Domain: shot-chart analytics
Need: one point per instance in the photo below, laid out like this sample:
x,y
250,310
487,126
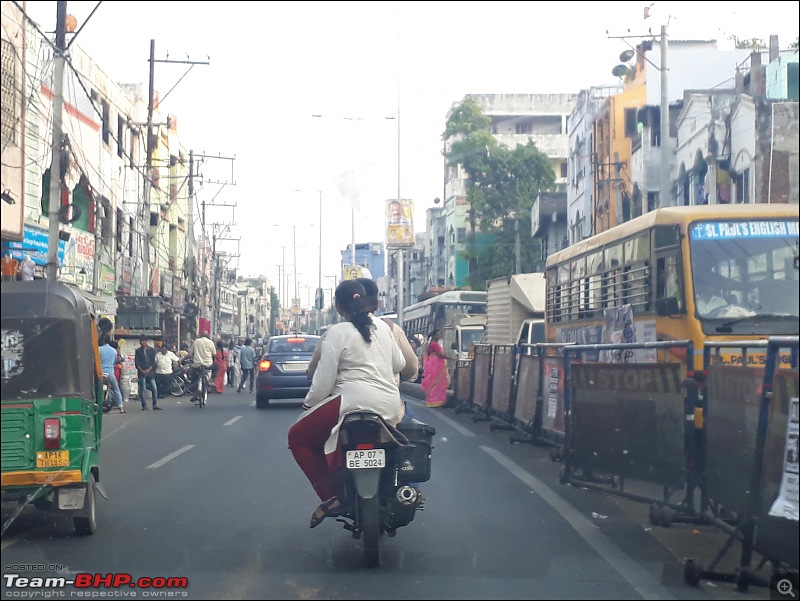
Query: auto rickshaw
x,y
51,400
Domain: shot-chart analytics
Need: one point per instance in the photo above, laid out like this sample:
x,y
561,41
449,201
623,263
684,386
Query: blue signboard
x,y
34,243
727,230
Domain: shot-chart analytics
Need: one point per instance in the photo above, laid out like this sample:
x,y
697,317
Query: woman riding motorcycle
x,y
358,360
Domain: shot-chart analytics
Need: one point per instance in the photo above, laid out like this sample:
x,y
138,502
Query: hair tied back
x,y
356,296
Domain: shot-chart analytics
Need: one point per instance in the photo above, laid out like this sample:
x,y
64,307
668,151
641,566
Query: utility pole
x,y
665,198
400,251
190,230
148,166
55,167
207,289
517,249
147,272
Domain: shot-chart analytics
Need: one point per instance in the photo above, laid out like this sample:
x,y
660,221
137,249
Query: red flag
x,y
647,10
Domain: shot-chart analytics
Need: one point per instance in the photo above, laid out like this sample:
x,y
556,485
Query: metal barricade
x,y
503,363
751,457
553,429
630,420
526,416
481,377
463,382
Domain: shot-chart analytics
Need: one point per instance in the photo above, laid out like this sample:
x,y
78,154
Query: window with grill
x,y
10,106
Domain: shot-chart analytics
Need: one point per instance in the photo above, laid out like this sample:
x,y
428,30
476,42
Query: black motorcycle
x,y
181,382
108,400
382,465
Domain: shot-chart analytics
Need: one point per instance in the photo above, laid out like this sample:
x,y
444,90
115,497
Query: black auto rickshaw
x,y
51,399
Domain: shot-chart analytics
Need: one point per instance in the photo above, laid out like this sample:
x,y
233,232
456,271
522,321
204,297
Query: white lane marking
x,y
169,457
632,572
232,420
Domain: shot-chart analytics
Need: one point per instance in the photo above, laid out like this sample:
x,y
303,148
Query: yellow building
x,y
614,127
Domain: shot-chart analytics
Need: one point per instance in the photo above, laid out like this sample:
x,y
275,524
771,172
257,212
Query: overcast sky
x,y
275,64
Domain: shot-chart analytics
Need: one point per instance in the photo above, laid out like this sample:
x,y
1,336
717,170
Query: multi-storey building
x,y
104,185
515,119
580,189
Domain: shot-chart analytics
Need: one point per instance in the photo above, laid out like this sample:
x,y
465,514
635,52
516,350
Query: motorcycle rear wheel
x,y
369,521
177,386
202,393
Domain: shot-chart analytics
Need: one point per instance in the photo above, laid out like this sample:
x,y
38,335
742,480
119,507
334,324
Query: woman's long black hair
x,y
351,297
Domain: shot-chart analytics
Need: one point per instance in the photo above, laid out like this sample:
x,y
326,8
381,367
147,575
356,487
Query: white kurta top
x,y
363,374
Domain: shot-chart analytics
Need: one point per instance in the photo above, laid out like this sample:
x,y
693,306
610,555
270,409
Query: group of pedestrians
x,y
236,362
155,367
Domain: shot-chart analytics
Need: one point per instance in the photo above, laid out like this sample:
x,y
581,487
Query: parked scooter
x,y
382,466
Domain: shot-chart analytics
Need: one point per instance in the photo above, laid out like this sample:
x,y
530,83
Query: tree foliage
x,y
501,185
747,43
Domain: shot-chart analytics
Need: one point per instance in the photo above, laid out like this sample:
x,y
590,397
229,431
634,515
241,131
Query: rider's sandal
x,y
330,509
121,410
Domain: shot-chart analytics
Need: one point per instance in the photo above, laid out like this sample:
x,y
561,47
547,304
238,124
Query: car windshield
x,y
299,344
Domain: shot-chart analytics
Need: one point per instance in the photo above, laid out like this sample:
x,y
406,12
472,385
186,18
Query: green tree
x,y
501,185
745,43
274,309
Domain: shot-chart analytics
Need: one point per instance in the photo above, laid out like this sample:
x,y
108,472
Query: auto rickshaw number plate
x,y
365,459
52,459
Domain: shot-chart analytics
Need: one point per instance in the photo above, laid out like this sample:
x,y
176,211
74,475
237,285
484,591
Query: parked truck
x,y
458,336
515,309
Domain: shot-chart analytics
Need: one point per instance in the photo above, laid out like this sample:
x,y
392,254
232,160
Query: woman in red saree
x,y
435,376
221,364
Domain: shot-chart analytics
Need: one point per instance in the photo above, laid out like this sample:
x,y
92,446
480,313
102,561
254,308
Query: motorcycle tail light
x,y
52,433
362,447
264,365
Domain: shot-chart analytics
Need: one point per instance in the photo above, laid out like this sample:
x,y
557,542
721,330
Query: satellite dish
x,y
626,55
619,71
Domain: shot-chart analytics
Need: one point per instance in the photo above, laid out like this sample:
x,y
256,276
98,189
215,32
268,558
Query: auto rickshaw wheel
x,y
87,524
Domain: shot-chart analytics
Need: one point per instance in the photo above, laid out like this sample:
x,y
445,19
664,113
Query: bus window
x,y
668,280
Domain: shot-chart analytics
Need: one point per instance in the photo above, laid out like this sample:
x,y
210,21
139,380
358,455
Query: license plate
x,y
295,366
366,459
52,459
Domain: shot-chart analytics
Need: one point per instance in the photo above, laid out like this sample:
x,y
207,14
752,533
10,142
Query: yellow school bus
x,y
699,273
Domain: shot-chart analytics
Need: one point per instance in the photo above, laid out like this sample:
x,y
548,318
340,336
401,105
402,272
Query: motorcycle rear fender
x,y
360,424
366,482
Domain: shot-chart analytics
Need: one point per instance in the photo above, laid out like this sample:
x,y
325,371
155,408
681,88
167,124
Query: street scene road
x,y
212,498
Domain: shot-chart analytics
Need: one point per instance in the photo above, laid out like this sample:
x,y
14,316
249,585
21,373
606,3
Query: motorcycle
x,y
108,401
382,465
181,382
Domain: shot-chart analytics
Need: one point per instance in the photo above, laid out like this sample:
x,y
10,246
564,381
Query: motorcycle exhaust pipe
x,y
407,495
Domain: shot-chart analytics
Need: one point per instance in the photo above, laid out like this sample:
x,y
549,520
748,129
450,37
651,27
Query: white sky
x,y
275,64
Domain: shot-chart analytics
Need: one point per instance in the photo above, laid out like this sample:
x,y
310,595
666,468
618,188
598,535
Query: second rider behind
x,y
358,360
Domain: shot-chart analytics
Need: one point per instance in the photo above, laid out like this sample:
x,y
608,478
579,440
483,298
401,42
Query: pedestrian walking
x,y
247,359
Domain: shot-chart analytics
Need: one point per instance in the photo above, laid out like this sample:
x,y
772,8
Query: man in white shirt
x,y
166,360
203,351
708,300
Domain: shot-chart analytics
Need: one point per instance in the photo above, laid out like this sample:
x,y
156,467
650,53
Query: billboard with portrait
x,y
399,223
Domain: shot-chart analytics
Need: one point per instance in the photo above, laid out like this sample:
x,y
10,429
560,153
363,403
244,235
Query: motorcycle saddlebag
x,y
414,459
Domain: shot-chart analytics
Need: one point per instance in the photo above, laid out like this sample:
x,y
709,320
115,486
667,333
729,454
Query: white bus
x,y
421,318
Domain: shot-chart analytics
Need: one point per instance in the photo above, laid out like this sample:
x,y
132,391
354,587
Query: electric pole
x,y
150,145
55,167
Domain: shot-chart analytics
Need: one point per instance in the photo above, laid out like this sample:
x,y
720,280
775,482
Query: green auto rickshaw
x,y
51,400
